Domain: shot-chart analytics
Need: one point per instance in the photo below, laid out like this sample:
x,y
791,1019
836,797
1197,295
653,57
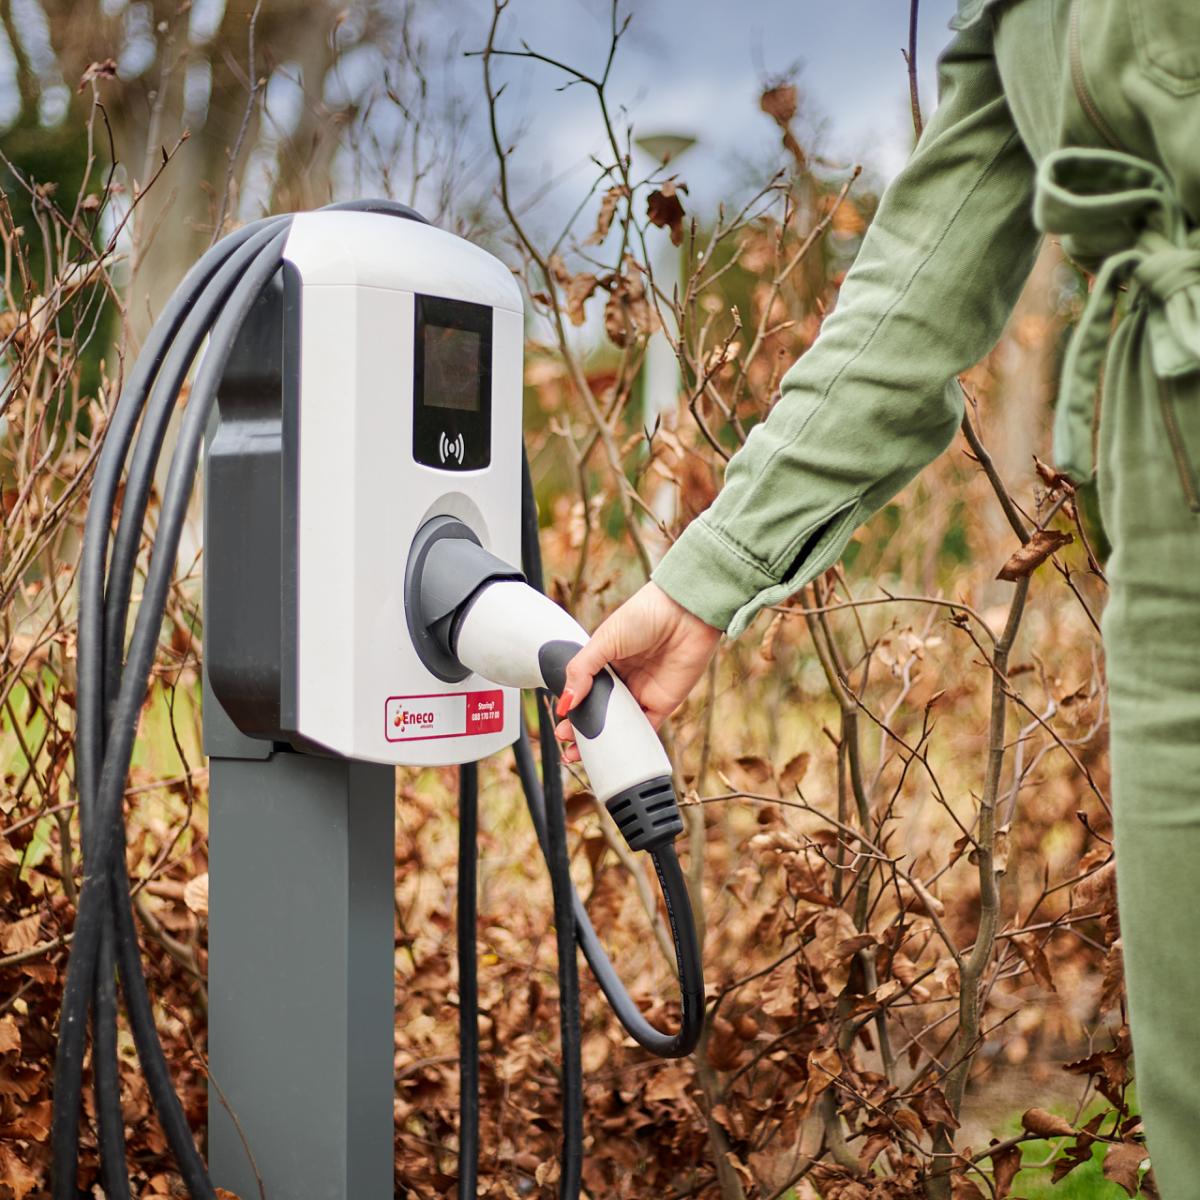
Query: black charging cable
x,y
556,853
468,981
107,745
558,861
544,797
105,933
212,301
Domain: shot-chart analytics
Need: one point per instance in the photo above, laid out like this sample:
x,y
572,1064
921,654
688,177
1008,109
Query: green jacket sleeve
x,y
874,400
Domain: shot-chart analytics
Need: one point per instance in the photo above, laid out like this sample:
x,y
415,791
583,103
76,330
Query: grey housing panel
x,y
246,637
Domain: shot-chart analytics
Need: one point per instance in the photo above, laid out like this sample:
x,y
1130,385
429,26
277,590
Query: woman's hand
x,y
656,646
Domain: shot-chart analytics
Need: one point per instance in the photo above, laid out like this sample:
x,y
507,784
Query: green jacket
x,y
1074,117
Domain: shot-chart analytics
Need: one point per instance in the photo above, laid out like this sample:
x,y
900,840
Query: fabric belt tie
x,y
1119,216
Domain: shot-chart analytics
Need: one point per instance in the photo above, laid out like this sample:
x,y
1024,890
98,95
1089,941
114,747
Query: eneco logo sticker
x,y
406,719
417,718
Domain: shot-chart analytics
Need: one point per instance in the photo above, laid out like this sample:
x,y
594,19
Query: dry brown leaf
x,y
604,219
10,1035
105,68
746,1027
780,103
794,771
665,210
22,1082
32,1123
15,1173
721,1114
1033,553
558,269
1097,892
962,1188
779,998
1005,1166
579,292
1110,1067
824,1066
195,894
1114,976
1050,477
875,1144
628,312
616,323
848,220
847,948
832,930
931,1106
1000,851
724,1045
1122,1165
1072,1157
766,648
595,1051
754,768
1046,1124
1034,957
21,935
886,991
670,1083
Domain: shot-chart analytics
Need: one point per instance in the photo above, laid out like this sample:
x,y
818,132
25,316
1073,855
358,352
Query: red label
x,y
485,712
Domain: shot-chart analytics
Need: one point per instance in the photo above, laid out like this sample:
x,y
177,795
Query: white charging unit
x,y
400,399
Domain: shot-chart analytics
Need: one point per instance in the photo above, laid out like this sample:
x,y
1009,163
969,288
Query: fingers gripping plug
x,y
646,813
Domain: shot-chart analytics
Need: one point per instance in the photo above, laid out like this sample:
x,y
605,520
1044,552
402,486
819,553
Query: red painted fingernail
x,y
566,702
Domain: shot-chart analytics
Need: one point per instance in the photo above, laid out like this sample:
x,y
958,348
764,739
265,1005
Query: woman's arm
x,y
875,399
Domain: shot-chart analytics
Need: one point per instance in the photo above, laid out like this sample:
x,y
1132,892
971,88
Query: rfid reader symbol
x,y
453,448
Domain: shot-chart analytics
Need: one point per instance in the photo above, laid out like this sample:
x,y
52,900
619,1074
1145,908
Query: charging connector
x,y
472,613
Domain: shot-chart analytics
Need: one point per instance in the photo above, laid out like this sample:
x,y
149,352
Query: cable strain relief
x,y
647,813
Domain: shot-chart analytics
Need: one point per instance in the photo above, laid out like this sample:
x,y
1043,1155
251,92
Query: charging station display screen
x,y
452,368
452,384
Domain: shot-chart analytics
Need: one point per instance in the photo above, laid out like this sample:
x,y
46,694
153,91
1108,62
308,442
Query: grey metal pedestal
x,y
300,976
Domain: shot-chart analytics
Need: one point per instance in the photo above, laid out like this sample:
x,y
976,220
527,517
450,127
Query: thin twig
x,y
910,59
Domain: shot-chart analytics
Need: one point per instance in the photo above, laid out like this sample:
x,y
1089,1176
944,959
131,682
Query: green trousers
x,y
1152,642
1078,119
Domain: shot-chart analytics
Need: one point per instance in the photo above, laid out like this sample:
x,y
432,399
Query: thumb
x,y
585,666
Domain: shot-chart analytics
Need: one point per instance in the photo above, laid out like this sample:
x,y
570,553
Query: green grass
x,y
155,755
1085,1182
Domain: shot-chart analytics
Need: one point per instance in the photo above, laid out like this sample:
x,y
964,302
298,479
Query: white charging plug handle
x,y
505,635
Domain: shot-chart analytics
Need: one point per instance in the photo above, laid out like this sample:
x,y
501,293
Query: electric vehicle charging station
x,y
369,530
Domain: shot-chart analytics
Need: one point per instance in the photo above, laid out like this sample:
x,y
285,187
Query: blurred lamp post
x,y
663,147
661,379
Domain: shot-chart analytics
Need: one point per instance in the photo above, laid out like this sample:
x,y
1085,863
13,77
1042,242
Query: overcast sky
x,y
697,66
